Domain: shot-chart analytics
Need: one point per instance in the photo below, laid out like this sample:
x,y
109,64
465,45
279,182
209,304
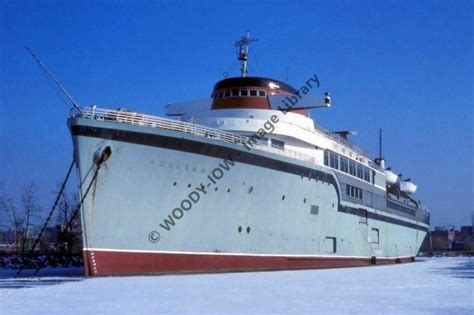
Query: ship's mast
x,y
53,78
380,160
380,143
243,52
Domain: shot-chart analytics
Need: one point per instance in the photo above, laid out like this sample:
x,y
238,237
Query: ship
x,y
242,181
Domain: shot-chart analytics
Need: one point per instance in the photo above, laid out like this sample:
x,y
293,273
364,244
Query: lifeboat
x,y
407,186
390,177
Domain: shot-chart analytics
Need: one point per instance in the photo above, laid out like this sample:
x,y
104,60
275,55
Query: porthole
x,y
250,189
215,189
189,185
228,190
283,197
174,184
239,229
304,200
248,229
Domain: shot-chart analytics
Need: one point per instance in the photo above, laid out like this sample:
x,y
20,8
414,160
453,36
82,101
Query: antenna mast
x,y
243,52
51,76
380,143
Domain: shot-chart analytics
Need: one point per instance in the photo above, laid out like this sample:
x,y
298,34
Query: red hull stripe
x,y
106,263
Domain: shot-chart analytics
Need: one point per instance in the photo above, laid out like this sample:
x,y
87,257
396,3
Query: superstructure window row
x,y
354,192
401,208
235,93
348,166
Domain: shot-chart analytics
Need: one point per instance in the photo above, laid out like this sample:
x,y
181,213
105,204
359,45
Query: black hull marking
x,y
375,216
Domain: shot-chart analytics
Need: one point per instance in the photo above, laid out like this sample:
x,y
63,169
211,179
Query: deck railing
x,y
128,117
343,141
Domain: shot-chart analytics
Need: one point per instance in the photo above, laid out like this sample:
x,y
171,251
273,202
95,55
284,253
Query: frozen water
x,y
431,285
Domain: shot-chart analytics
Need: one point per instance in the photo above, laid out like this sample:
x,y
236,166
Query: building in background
x,y
447,238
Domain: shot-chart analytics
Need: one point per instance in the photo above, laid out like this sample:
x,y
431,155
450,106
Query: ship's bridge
x,y
250,93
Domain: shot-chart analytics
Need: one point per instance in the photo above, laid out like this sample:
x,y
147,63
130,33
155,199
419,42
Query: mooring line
x,y
28,260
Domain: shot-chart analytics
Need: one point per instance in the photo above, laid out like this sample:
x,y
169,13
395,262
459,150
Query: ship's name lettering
x,y
197,194
185,167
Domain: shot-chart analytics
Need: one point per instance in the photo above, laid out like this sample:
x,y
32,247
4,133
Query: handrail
x,y
349,144
318,129
134,118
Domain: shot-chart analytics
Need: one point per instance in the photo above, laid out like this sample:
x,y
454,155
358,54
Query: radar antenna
x,y
243,52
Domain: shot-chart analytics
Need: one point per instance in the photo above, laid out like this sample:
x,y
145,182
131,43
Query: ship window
x,y
326,158
278,144
314,209
244,93
253,93
235,92
333,160
221,94
367,174
227,94
354,192
352,168
360,172
262,93
344,165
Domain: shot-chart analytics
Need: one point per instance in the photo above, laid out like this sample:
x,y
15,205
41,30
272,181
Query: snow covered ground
x,y
431,285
